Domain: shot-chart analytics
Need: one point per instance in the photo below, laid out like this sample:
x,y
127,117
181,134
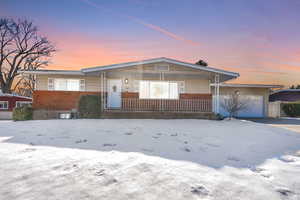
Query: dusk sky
x,y
260,39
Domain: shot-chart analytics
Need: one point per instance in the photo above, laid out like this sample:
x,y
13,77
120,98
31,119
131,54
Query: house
x,y
279,97
9,101
286,95
155,86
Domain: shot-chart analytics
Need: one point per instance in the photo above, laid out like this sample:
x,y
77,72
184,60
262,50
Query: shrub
x,y
89,106
292,109
219,117
22,113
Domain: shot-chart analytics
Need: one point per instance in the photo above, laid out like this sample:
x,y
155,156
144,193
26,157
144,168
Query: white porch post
x,y
104,91
101,90
216,99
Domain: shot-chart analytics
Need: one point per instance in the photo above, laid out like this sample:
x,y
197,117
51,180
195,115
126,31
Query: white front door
x,y
114,93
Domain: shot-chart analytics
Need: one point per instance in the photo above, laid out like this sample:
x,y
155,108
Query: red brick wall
x,y
195,96
57,100
67,100
130,95
12,101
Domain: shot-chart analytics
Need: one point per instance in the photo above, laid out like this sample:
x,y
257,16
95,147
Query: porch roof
x,y
156,60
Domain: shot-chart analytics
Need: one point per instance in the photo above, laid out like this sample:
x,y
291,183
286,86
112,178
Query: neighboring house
x,y
159,85
287,95
9,101
279,97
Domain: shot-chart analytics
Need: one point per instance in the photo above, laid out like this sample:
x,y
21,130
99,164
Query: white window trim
x,y
24,102
7,103
178,90
81,86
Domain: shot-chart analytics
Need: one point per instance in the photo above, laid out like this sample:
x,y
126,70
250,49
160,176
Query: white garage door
x,y
255,106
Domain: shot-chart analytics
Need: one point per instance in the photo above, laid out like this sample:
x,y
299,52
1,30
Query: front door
x,y
114,94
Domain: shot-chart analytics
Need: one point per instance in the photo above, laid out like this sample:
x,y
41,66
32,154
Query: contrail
x,y
151,26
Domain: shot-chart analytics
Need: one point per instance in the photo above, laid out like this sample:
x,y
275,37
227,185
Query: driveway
x,y
292,124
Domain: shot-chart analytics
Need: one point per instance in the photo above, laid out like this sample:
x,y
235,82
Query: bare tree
x,y
19,43
25,83
233,103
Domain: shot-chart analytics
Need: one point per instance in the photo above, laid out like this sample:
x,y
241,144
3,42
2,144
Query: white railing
x,y
167,105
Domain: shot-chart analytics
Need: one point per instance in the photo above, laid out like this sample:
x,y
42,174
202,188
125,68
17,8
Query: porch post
x,y
216,100
104,91
101,90
217,94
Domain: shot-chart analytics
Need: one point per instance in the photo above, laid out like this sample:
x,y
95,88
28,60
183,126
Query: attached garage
x,y
256,98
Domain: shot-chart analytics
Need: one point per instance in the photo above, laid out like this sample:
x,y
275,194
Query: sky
x,y
260,39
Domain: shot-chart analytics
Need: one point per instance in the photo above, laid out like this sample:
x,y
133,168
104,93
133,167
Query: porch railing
x,y
167,105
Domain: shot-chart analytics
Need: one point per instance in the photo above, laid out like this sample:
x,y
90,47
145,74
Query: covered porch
x,y
159,87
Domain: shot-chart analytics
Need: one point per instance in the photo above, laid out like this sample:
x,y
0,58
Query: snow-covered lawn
x,y
148,159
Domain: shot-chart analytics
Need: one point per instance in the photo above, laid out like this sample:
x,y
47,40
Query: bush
x,y
23,113
89,106
220,117
292,109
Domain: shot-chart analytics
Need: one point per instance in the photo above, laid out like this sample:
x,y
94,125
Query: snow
x,y
148,159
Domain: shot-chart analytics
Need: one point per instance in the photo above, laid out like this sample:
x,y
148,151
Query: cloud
x,y
148,25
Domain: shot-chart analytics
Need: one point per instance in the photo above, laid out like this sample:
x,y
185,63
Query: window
x,y
158,90
3,105
22,103
66,84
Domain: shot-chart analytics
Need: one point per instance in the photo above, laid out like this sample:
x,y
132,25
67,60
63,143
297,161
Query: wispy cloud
x,y
146,24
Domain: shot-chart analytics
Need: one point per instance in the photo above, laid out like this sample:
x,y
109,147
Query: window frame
x,y
149,86
52,84
7,103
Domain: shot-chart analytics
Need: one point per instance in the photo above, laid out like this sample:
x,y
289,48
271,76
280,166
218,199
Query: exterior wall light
x,y
126,80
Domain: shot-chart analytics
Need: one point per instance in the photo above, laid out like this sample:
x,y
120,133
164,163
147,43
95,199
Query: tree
x,y
202,63
20,43
295,87
233,103
25,83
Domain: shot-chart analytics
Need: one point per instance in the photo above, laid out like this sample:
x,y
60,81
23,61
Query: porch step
x,y
157,115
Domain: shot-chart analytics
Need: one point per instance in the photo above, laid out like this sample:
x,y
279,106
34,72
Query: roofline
x,y
14,95
162,59
66,72
248,85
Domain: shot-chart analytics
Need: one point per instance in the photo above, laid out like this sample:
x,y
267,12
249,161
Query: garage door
x,y
255,106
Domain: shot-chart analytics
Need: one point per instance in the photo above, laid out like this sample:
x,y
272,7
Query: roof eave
x,y
249,85
116,66
59,72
